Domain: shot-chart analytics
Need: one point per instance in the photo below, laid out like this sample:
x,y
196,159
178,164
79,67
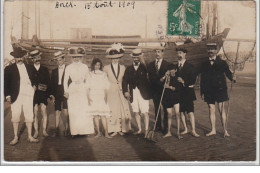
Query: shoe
x,y
107,136
121,133
14,141
113,134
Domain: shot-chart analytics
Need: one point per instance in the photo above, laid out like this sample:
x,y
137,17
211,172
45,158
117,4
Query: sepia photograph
x,y
167,82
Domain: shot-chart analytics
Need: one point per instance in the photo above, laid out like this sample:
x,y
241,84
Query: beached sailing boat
x,y
96,45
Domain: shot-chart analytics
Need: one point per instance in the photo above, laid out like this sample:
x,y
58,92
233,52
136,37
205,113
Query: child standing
x,y
171,98
97,86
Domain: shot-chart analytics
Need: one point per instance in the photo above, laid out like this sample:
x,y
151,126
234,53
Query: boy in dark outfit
x,y
171,98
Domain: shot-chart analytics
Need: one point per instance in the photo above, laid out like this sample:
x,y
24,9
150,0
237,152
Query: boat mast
x,y
39,19
214,25
25,20
35,18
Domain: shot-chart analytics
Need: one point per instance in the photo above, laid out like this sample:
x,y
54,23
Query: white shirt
x,y
24,77
181,63
60,72
211,58
78,72
159,62
115,66
136,66
37,67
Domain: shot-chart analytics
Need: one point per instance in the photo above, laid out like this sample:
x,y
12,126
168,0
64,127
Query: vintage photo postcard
x,y
167,82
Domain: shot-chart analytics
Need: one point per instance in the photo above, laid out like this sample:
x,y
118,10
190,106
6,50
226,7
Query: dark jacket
x,y
42,76
136,78
55,81
189,74
213,77
12,80
154,77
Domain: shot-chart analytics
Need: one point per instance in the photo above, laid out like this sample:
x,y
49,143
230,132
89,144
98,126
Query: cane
x,y
151,133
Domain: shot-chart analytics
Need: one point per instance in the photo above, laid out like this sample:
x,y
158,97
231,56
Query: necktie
x,y
157,65
180,66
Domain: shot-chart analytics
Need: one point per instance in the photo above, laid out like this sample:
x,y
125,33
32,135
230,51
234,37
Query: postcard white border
x,y
132,163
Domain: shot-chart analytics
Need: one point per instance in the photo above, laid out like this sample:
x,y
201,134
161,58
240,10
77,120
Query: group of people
x,y
104,93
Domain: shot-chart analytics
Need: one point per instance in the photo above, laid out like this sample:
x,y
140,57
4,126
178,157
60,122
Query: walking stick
x,y
151,133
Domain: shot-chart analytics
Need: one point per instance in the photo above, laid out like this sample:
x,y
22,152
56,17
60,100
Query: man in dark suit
x,y
156,70
57,93
41,95
214,86
136,88
187,77
19,88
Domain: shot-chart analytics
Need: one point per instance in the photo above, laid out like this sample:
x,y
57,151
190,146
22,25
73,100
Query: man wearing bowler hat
x,y
19,88
57,93
156,70
136,88
214,87
187,77
41,95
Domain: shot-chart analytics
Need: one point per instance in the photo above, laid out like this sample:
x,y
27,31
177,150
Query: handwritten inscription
x,y
64,5
107,4
96,4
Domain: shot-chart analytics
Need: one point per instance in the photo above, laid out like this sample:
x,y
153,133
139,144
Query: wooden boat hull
x,y
197,52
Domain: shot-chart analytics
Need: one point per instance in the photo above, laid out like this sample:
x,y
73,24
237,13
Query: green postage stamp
x,y
184,17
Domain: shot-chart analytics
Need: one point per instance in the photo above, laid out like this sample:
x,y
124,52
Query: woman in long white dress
x,y
98,85
81,123
120,121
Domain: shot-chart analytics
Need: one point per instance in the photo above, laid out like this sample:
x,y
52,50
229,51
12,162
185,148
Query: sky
x,y
144,19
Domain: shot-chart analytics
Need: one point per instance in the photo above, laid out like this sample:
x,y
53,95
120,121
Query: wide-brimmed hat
x,y
58,55
212,45
116,51
182,49
18,52
35,53
76,51
136,53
